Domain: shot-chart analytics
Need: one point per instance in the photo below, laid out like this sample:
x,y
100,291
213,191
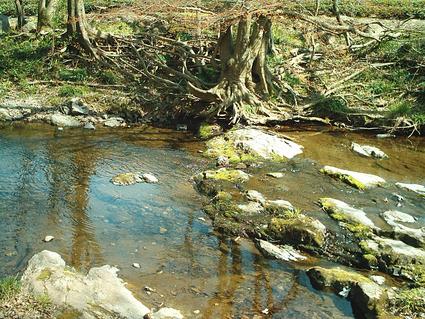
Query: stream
x,y
58,183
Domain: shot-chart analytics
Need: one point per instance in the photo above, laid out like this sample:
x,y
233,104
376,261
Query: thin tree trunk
x,y
77,26
46,9
20,13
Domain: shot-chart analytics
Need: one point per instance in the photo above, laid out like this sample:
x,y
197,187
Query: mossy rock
x,y
297,230
358,180
207,130
334,278
224,174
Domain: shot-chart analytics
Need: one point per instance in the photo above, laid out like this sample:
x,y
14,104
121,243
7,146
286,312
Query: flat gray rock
x,y
398,249
64,120
417,188
279,204
368,151
286,252
115,122
414,236
351,214
255,196
98,294
355,179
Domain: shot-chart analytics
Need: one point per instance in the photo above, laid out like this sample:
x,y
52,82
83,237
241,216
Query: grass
x,y
9,287
410,302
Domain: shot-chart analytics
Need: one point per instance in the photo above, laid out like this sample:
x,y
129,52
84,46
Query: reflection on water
x,y
57,183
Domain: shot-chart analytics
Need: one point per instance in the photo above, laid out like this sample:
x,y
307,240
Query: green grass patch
x,y
9,287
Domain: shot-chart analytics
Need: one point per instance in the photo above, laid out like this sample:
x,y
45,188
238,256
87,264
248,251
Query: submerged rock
x,y
419,189
48,238
99,294
126,179
359,180
251,144
368,151
285,252
64,120
343,212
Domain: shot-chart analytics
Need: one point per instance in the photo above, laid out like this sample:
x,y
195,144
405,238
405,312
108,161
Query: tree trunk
x,y
77,26
45,12
245,81
20,13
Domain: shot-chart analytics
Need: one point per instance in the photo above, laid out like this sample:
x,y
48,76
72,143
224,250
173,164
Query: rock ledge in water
x,y
368,151
252,144
419,189
359,180
98,294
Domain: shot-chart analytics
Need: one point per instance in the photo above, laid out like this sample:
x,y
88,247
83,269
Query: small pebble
x,y
163,230
150,178
136,265
48,239
197,312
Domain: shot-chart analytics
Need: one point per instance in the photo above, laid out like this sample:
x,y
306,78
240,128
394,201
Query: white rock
x,y
420,189
356,179
276,174
279,203
286,252
114,122
368,151
415,236
255,196
64,120
94,294
332,205
251,208
383,245
391,216
259,143
378,279
167,313
136,265
89,126
150,178
48,239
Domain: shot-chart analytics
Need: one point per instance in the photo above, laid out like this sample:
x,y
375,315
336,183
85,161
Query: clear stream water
x,y
58,183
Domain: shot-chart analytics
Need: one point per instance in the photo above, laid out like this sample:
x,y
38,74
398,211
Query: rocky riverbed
x,y
329,206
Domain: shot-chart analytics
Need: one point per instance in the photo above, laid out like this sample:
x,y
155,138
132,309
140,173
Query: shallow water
x,y
58,183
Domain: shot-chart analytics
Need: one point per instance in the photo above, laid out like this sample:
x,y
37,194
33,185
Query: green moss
x,y
409,302
223,196
44,274
371,260
346,179
115,27
207,130
70,314
9,287
225,174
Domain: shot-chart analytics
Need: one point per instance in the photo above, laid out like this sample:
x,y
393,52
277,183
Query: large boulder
x,y
359,180
368,299
251,144
99,294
